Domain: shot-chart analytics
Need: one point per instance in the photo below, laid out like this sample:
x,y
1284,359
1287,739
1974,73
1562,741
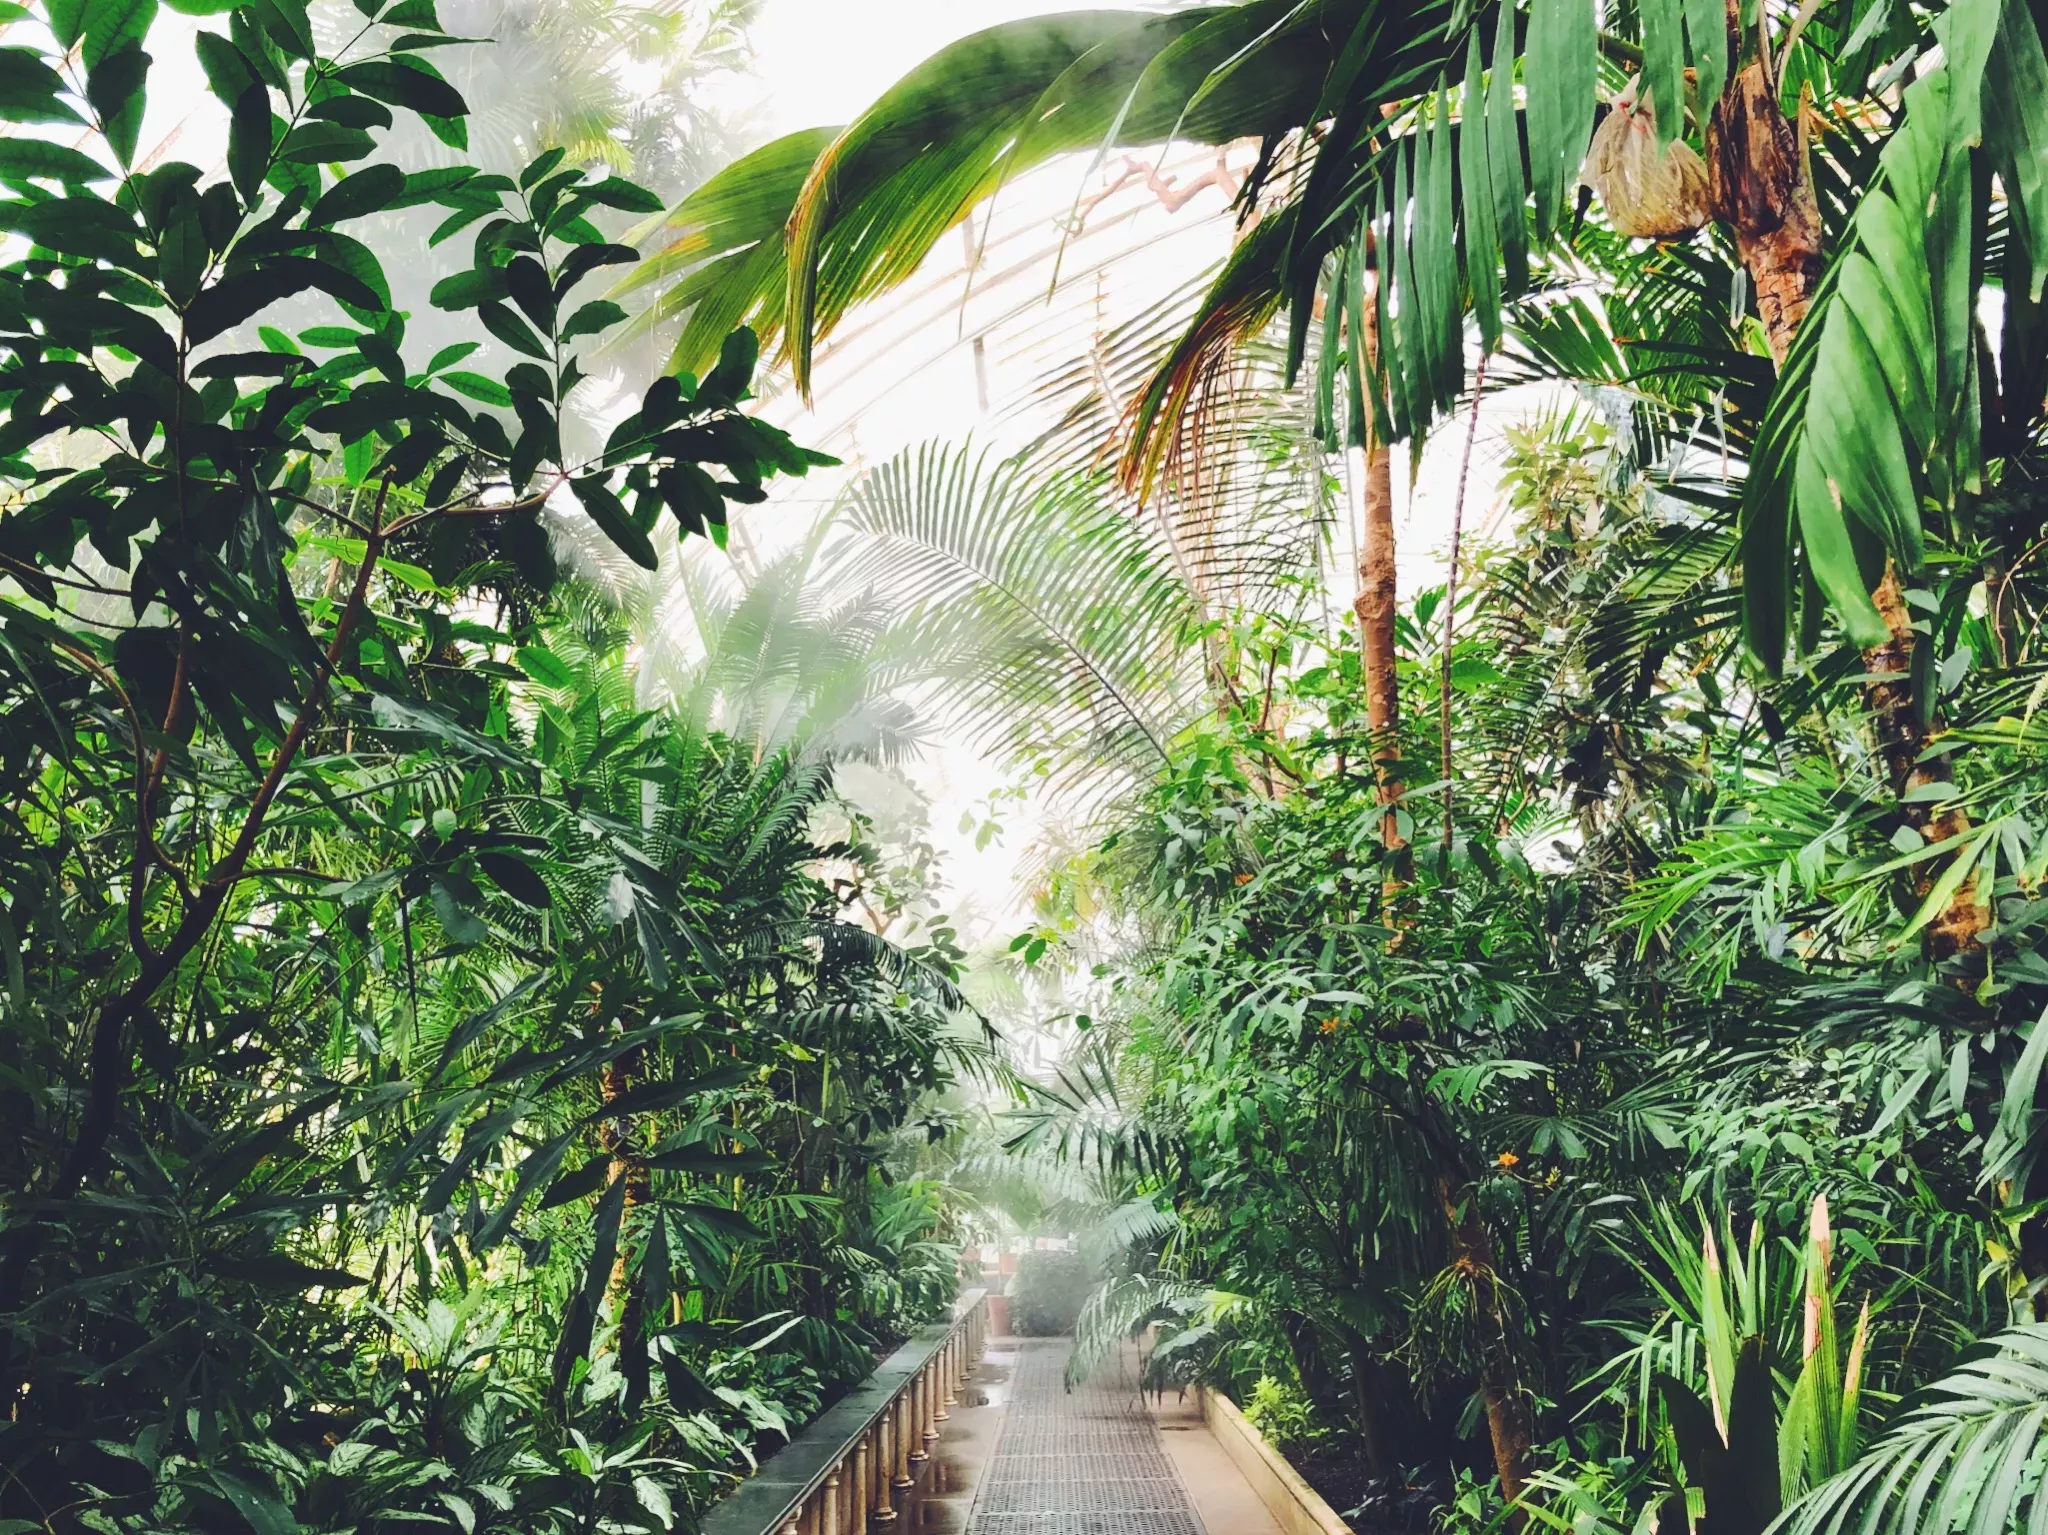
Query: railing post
x,y
878,1453
899,1434
885,1467
863,1484
919,1391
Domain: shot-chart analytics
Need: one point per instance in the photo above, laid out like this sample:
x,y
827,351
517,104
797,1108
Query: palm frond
x,y
1054,620
1968,1457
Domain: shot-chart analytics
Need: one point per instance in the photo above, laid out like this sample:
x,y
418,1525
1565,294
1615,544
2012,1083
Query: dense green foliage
x,y
1508,1048
442,1089
1584,1071
1394,1140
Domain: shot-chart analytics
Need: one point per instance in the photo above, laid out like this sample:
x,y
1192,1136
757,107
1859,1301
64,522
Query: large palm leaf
x,y
1055,621
810,225
1879,410
1967,1458
1429,173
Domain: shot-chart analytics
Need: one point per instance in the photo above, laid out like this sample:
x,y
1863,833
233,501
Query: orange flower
x,y
1244,879
1331,1025
1507,1159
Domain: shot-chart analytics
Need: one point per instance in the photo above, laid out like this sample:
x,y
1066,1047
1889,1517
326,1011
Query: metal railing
x,y
847,1472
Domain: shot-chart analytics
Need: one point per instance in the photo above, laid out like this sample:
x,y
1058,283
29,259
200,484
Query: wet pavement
x,y
1037,1459
1020,1455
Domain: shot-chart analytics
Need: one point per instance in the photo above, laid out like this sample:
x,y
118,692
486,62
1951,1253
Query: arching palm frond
x,y
1967,1458
1427,181
1123,1307
1246,507
841,216
1055,623
781,661
1082,1118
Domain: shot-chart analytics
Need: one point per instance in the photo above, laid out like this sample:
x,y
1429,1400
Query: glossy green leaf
x,y
30,89
1663,76
1706,36
1475,174
405,85
1504,158
609,514
1561,70
369,190
41,159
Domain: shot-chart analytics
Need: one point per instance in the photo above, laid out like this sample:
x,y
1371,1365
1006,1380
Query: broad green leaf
x,y
115,88
182,253
369,190
593,318
1504,158
30,89
501,322
545,667
26,157
250,140
318,143
487,390
1561,70
1663,76
405,85
1475,172
1706,36
1831,555
610,516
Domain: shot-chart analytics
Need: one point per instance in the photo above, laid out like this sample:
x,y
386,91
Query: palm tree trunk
x,y
1762,190
628,1166
1756,161
1507,1406
1902,735
1377,607
1378,601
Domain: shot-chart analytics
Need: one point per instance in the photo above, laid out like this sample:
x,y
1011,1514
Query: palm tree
x,y
1407,181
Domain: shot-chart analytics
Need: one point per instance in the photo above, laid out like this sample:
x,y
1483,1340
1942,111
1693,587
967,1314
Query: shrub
x,y
1281,1412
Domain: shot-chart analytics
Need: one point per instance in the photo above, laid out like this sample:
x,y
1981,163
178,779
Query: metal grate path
x,y
1082,1463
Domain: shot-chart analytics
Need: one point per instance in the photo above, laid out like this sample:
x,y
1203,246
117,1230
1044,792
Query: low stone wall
x,y
1295,1506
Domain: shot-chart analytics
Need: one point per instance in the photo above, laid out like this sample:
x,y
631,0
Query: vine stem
x,y
1451,601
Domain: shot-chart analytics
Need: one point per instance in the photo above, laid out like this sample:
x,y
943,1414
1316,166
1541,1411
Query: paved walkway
x,y
1089,1462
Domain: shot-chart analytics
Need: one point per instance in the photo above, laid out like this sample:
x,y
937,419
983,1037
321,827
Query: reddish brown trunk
x,y
1756,165
1902,736
1377,607
1507,1405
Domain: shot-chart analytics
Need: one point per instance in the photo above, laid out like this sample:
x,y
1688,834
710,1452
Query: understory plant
x,y
443,1088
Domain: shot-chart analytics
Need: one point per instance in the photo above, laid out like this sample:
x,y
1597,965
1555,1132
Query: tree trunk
x,y
1902,735
629,1166
1377,607
1370,1388
1507,1405
1757,162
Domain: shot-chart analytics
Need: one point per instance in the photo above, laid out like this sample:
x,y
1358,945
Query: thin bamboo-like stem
x,y
1451,605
